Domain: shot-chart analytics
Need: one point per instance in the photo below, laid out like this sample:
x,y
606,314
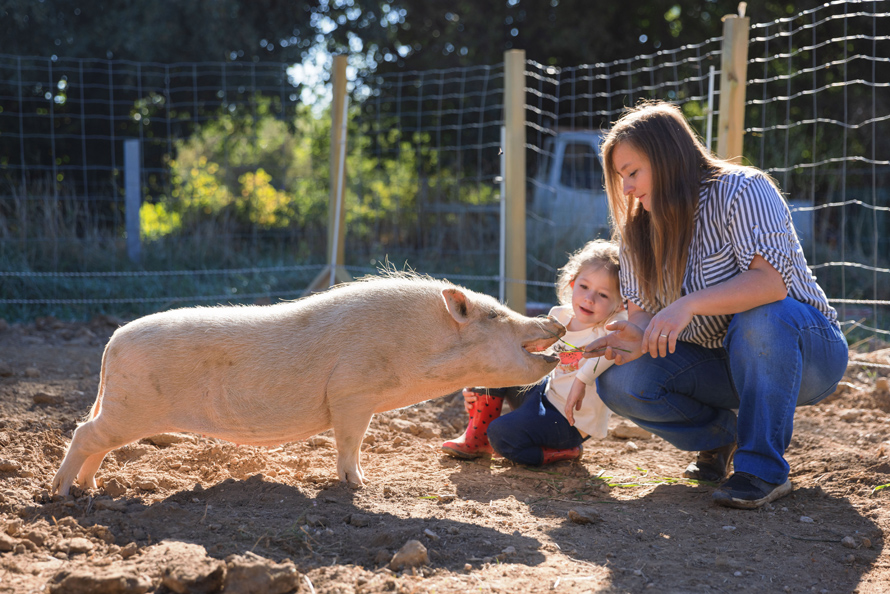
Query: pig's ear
x,y
457,304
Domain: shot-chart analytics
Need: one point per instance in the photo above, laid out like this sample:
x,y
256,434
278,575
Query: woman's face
x,y
635,171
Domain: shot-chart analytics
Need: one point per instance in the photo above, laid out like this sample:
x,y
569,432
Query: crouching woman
x,y
723,313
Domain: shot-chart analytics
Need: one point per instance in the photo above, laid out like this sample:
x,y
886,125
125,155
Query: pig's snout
x,y
554,328
553,331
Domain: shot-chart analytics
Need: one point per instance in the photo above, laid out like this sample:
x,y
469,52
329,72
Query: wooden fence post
x,y
733,78
514,179
334,272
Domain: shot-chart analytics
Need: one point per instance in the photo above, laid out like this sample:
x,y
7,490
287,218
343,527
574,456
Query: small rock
x,y
631,446
852,415
74,546
467,567
6,370
428,430
316,520
584,516
806,519
850,558
48,399
729,528
96,581
110,504
250,573
38,538
7,543
388,491
849,542
32,372
412,554
196,574
404,426
318,441
147,485
382,557
628,430
114,487
866,542
9,465
432,535
882,384
128,550
509,551
358,520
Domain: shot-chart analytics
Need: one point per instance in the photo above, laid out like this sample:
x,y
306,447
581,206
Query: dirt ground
x,y
182,513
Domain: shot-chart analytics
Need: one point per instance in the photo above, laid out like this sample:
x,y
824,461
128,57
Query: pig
x,y
264,375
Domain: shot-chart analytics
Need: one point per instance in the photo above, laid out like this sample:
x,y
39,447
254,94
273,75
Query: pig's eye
x,y
492,314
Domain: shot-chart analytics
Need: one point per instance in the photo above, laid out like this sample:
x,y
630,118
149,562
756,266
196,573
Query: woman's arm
x,y
642,333
759,285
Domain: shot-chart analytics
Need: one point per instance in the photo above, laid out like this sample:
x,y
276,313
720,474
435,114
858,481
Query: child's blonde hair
x,y
599,253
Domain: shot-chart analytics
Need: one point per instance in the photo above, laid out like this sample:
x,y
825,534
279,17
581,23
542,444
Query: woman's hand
x,y
623,344
660,337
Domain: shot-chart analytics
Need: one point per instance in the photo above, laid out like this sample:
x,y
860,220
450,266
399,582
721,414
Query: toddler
x,y
559,413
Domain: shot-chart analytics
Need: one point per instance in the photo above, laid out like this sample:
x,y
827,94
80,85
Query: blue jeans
x,y
774,358
519,435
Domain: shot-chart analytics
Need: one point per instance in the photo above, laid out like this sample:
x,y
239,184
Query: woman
x,y
723,313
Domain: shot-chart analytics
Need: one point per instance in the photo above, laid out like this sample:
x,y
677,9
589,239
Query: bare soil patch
x,y
182,513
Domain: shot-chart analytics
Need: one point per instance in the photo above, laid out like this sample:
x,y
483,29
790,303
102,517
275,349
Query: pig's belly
x,y
253,418
259,432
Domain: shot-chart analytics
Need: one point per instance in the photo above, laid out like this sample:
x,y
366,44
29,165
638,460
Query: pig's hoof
x,y
354,483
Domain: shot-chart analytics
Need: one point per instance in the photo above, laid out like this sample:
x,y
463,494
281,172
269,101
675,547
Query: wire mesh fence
x,y
201,128
235,168
570,109
818,120
424,176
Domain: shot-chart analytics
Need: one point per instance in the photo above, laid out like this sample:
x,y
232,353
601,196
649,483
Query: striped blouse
x,y
739,215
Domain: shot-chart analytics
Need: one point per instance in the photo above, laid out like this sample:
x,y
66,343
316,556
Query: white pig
x,y
266,375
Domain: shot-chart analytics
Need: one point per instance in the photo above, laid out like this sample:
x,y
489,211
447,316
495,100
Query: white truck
x,y
567,193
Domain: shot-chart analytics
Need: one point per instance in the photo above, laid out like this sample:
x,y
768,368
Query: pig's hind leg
x,y
88,448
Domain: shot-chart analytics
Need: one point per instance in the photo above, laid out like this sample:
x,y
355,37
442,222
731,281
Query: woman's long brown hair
x,y
658,241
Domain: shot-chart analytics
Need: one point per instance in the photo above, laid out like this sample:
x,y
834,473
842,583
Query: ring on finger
x,y
663,336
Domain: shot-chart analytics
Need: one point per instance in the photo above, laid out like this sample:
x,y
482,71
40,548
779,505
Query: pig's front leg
x,y
350,426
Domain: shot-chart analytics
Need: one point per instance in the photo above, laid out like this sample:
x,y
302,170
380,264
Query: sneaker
x,y
712,465
746,491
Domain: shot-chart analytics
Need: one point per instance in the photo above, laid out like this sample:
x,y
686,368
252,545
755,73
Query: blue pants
x,y
774,358
520,435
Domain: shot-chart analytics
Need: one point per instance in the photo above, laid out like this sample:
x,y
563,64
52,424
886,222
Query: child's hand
x,y
470,397
575,400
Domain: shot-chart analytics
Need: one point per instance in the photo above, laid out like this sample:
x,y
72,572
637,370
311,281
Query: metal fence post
x,y
514,179
133,197
733,78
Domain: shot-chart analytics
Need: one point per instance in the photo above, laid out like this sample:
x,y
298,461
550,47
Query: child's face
x,y
595,295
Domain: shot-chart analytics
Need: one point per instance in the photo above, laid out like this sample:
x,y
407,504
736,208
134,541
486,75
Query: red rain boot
x,y
474,442
551,455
